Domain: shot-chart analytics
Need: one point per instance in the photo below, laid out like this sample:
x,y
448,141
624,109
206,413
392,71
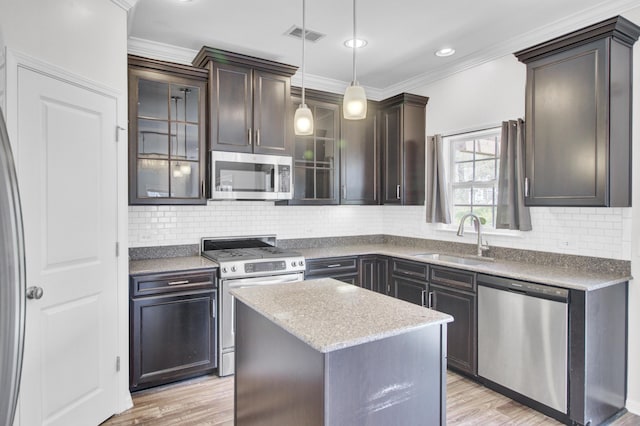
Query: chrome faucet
x,y
476,220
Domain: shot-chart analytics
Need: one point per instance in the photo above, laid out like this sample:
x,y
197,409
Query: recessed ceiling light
x,y
358,42
446,51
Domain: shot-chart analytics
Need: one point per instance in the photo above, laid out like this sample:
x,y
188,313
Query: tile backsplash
x,y
598,232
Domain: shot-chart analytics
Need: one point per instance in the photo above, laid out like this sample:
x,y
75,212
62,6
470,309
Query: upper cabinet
x,y
578,113
315,157
360,159
167,132
403,139
250,102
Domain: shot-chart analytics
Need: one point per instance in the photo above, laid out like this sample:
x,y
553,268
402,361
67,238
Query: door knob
x,y
34,292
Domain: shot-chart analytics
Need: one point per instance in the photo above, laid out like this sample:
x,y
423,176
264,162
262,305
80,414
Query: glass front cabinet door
x,y
166,135
316,160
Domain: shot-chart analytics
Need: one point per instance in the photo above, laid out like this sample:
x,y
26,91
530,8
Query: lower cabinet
x,y
453,291
373,273
409,290
461,334
340,268
409,281
173,328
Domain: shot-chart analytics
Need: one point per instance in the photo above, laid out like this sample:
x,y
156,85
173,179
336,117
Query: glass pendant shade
x,y
303,121
354,103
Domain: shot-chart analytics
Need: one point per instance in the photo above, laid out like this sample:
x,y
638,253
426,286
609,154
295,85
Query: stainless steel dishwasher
x,y
522,338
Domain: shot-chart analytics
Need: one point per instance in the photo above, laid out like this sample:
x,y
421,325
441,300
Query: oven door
x,y
228,315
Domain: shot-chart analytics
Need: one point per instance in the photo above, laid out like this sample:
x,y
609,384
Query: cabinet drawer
x,y
332,266
409,269
455,278
146,285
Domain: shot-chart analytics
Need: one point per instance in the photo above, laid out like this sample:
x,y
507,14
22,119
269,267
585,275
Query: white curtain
x,y
437,188
511,211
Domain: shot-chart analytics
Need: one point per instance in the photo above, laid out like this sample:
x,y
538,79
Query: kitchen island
x,y
323,352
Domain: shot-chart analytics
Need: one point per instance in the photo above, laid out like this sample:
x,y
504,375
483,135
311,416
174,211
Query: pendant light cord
x,y
354,41
304,36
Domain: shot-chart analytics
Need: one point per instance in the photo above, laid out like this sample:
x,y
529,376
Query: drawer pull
x,y
334,265
179,282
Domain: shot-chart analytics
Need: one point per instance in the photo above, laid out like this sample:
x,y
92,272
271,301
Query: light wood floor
x,y
209,401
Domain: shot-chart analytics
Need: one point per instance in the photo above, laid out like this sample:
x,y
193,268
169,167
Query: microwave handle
x,y
250,136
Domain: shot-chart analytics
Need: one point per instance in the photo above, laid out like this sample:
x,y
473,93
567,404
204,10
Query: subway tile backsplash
x,y
598,232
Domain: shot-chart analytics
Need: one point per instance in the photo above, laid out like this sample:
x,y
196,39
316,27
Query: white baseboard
x,y
633,406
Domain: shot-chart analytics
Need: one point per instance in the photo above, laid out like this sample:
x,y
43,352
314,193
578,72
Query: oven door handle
x,y
254,281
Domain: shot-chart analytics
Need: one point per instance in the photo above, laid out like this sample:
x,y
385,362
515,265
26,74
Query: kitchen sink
x,y
454,259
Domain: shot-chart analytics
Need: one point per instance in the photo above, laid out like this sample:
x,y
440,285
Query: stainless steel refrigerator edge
x,y
12,282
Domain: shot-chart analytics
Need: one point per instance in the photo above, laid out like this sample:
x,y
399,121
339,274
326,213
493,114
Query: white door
x,y
67,174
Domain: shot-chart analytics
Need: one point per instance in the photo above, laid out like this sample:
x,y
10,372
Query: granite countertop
x,y
169,264
330,315
571,278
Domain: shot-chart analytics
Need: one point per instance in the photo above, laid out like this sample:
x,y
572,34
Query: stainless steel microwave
x,y
241,176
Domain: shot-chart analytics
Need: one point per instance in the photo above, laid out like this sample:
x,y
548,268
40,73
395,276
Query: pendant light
x,y
303,119
354,104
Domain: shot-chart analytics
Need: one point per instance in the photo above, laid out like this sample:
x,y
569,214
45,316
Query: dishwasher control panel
x,y
532,289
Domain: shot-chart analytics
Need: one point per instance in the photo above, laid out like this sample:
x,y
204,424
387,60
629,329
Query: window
x,y
474,163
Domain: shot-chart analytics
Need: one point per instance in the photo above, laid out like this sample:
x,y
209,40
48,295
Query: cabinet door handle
x,y
213,308
422,297
398,192
250,136
430,300
179,282
344,191
202,188
258,137
526,187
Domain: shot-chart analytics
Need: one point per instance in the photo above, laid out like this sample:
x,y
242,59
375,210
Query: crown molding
x,y
126,5
331,85
162,51
167,52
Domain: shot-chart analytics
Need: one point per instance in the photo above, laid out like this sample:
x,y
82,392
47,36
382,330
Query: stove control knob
x,y
293,263
233,269
301,263
224,270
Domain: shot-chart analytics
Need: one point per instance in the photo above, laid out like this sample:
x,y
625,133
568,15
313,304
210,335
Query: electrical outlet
x,y
564,244
145,237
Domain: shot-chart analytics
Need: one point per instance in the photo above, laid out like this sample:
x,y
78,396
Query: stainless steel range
x,y
245,262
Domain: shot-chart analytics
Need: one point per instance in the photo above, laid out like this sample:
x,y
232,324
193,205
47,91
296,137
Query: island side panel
x,y
397,380
279,378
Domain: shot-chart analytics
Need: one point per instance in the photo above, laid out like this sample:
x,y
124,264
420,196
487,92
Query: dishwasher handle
x,y
542,291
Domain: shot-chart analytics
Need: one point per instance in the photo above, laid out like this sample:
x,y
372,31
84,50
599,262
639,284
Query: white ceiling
x,y
403,34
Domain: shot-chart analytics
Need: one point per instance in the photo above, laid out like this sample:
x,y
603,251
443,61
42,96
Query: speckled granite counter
x,y
329,315
572,278
169,264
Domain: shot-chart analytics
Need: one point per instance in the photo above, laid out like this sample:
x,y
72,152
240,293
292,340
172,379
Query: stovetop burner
x,y
250,256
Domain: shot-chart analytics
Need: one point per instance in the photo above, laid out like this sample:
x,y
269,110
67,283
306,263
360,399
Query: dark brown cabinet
x,y
578,112
360,159
453,292
249,102
373,273
403,140
167,134
409,281
173,333
339,268
316,157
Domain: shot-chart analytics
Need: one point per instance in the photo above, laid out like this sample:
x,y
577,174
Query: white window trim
x,y
453,227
